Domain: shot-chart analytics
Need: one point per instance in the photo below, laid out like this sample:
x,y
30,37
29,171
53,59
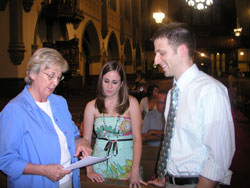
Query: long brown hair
x,y
123,97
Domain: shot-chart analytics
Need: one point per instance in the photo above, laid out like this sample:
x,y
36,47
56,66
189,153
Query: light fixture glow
x,y
158,16
199,4
238,29
155,66
241,53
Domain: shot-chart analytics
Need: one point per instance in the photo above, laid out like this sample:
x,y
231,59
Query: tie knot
x,y
175,89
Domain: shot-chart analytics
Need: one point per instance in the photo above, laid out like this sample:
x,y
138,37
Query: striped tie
x,y
162,163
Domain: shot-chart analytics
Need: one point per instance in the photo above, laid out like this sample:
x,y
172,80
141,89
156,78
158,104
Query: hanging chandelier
x,y
238,29
158,16
199,4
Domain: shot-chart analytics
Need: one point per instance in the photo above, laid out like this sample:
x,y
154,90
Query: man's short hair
x,y
177,34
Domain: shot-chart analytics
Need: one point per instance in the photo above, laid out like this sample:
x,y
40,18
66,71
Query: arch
x,y
90,48
217,64
223,62
113,48
91,39
138,56
212,57
127,53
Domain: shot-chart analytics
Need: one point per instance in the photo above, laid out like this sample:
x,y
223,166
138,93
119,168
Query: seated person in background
x,y
139,88
234,90
148,103
139,79
141,91
153,124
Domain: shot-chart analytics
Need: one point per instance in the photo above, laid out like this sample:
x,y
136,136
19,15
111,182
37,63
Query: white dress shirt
x,y
203,141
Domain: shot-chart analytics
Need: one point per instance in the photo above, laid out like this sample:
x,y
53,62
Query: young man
x,y
202,144
152,127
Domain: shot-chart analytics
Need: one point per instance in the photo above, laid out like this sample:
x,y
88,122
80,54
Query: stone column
x,y
16,46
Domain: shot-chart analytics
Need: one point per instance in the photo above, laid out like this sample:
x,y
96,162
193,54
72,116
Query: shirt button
x,y
65,132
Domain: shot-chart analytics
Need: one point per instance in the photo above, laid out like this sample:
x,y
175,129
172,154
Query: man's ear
x,y
182,50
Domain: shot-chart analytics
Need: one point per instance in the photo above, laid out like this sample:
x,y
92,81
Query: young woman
x,y
116,119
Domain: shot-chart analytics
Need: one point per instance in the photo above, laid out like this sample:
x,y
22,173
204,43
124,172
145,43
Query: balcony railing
x,y
64,10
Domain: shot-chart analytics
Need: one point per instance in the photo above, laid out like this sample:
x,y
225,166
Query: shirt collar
x,y
30,100
187,77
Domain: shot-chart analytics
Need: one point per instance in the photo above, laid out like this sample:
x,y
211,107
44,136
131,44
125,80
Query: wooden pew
x,y
86,183
150,152
109,183
3,180
149,161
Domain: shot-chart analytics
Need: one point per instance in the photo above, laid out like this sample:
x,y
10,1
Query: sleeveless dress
x,y
114,138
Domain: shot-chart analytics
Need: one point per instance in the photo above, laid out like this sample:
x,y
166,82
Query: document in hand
x,y
86,162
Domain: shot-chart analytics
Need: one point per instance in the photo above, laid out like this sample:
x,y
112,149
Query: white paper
x,y
86,162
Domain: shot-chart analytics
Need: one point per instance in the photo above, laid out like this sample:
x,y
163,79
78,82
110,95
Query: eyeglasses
x,y
53,77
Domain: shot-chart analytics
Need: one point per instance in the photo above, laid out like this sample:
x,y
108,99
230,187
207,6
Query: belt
x,y
182,180
113,143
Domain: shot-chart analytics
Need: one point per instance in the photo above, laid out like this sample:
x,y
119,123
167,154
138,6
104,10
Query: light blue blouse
x,y
27,135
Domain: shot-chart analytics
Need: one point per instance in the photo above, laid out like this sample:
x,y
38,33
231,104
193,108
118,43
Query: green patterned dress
x,y
114,138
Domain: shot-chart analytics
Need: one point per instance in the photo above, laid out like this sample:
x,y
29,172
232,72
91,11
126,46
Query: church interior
x,y
89,33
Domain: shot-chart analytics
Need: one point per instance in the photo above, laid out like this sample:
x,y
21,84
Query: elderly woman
x,y
37,135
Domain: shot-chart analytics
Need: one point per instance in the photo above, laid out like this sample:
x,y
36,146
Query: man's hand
x,y
158,182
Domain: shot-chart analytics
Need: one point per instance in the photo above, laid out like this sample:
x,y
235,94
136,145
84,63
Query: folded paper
x,y
86,162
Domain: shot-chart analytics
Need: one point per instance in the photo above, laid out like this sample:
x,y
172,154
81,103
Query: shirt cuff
x,y
215,172
16,168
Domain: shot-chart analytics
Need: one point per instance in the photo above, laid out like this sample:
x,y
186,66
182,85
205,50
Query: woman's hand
x,y
157,182
82,146
93,176
135,180
54,172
